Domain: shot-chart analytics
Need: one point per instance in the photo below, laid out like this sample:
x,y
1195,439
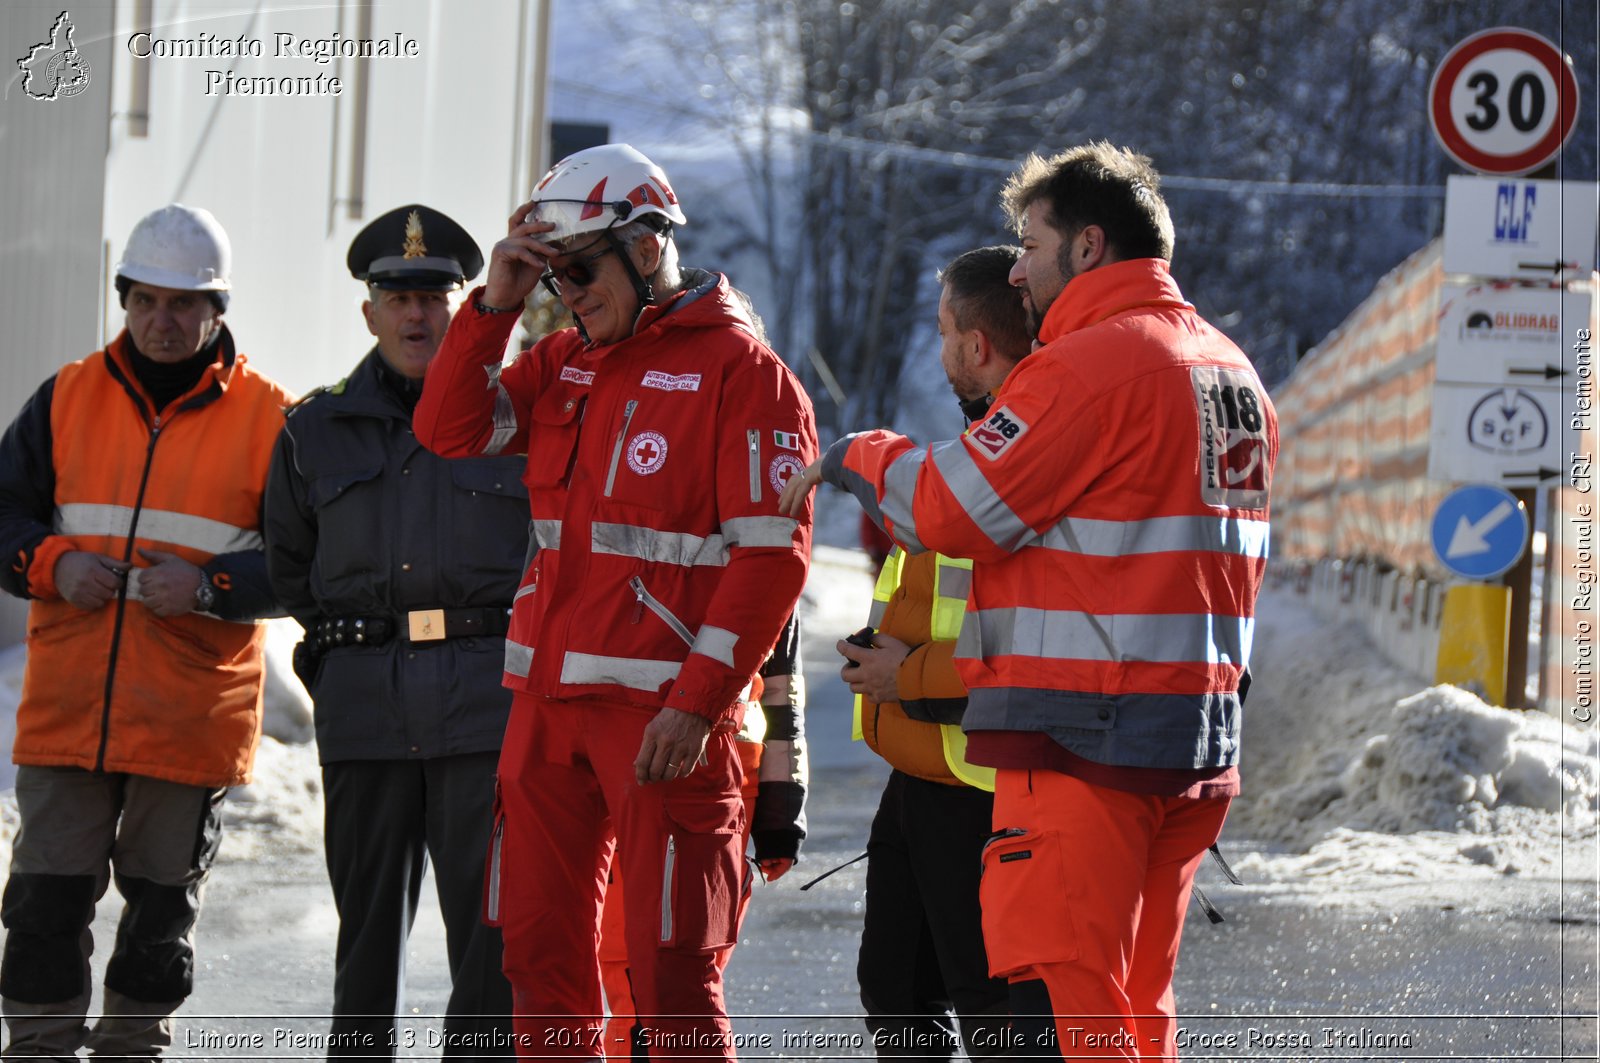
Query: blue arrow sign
x,y
1479,531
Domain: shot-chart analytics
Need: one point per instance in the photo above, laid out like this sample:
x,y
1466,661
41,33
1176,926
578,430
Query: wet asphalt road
x,y
1469,977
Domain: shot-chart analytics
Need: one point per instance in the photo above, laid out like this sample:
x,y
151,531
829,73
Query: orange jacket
x,y
664,571
117,688
1114,503
927,681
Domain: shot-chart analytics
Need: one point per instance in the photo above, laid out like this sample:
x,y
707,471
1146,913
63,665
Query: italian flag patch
x,y
786,440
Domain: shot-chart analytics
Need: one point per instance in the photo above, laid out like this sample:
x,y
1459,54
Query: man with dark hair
x,y
130,516
401,567
922,952
1114,504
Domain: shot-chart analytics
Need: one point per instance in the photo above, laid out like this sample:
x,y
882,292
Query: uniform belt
x,y
418,625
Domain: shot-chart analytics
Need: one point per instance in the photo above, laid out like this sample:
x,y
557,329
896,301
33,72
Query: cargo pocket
x,y
1027,918
702,877
492,861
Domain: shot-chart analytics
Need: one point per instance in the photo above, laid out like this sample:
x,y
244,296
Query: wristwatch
x,y
205,595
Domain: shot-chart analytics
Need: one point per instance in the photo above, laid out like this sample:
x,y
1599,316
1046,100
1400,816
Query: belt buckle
x,y
427,625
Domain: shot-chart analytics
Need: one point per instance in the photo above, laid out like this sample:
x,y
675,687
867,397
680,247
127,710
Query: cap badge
x,y
414,247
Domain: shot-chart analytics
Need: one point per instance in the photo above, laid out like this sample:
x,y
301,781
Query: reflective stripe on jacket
x,y
663,570
118,688
921,600
1115,504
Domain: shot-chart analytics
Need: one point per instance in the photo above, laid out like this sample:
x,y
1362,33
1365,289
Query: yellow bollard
x,y
1474,630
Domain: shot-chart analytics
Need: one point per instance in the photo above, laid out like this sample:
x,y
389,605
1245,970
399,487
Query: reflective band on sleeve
x,y
548,533
667,548
629,672
759,531
1062,635
519,658
899,486
178,529
716,643
977,498
1116,538
505,418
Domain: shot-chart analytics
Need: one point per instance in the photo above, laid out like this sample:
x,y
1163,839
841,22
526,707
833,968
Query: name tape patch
x,y
576,376
667,382
995,434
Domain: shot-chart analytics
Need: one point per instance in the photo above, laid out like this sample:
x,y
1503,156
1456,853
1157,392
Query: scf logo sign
x,y
1513,212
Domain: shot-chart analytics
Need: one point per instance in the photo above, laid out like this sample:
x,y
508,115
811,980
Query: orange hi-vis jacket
x,y
663,571
920,600
118,688
1114,503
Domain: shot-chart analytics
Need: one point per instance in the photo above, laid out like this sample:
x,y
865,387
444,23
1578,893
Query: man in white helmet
x,y
659,434
130,501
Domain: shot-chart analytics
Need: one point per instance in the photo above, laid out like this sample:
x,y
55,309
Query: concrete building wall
x,y
173,111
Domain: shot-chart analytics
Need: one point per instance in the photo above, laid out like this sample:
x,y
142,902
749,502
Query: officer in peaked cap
x,y
405,623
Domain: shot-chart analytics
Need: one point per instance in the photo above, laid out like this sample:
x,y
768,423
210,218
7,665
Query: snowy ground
x,y
1420,874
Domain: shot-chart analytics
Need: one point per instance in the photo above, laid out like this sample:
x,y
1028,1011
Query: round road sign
x,y
1503,101
1479,531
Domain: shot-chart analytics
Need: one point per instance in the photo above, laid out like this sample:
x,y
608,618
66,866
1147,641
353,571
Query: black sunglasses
x,y
578,273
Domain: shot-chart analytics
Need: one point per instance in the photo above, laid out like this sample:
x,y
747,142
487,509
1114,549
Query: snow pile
x,y
1368,781
280,810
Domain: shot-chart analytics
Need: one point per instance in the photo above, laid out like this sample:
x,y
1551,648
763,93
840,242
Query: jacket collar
x,y
212,384
363,394
1091,297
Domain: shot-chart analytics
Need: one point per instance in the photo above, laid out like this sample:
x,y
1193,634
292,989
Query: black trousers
x,y
922,952
385,820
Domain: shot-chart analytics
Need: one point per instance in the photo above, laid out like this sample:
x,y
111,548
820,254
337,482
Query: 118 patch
x,y
1235,465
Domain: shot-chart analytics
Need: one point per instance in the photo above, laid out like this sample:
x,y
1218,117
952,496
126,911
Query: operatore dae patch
x,y
1234,466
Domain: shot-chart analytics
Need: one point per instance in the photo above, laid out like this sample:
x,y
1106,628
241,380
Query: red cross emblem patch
x,y
647,452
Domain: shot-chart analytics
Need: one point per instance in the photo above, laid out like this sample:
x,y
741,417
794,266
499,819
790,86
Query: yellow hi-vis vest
x,y
952,582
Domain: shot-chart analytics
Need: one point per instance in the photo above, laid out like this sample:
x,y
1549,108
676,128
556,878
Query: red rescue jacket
x,y
1114,503
660,571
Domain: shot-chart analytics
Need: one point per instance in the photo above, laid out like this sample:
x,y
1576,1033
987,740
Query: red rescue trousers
x,y
613,946
567,792
1084,892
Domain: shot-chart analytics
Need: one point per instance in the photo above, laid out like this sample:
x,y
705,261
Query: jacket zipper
x,y
666,888
754,436
122,596
622,435
650,602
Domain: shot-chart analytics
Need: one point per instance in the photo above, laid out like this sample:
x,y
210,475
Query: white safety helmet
x,y
599,188
178,247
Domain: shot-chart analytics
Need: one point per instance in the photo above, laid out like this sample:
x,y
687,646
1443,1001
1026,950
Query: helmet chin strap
x,y
641,287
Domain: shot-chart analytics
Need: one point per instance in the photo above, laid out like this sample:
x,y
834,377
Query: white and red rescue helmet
x,y
599,188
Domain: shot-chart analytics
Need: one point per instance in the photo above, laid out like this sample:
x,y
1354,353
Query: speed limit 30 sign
x,y
1503,101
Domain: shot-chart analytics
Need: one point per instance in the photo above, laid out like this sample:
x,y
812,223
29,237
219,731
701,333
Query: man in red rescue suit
x,y
659,433
141,702
1114,505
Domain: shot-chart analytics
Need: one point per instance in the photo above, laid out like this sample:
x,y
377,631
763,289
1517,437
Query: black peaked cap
x,y
414,248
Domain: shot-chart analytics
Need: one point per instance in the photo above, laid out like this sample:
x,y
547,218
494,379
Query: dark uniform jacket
x,y
363,522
